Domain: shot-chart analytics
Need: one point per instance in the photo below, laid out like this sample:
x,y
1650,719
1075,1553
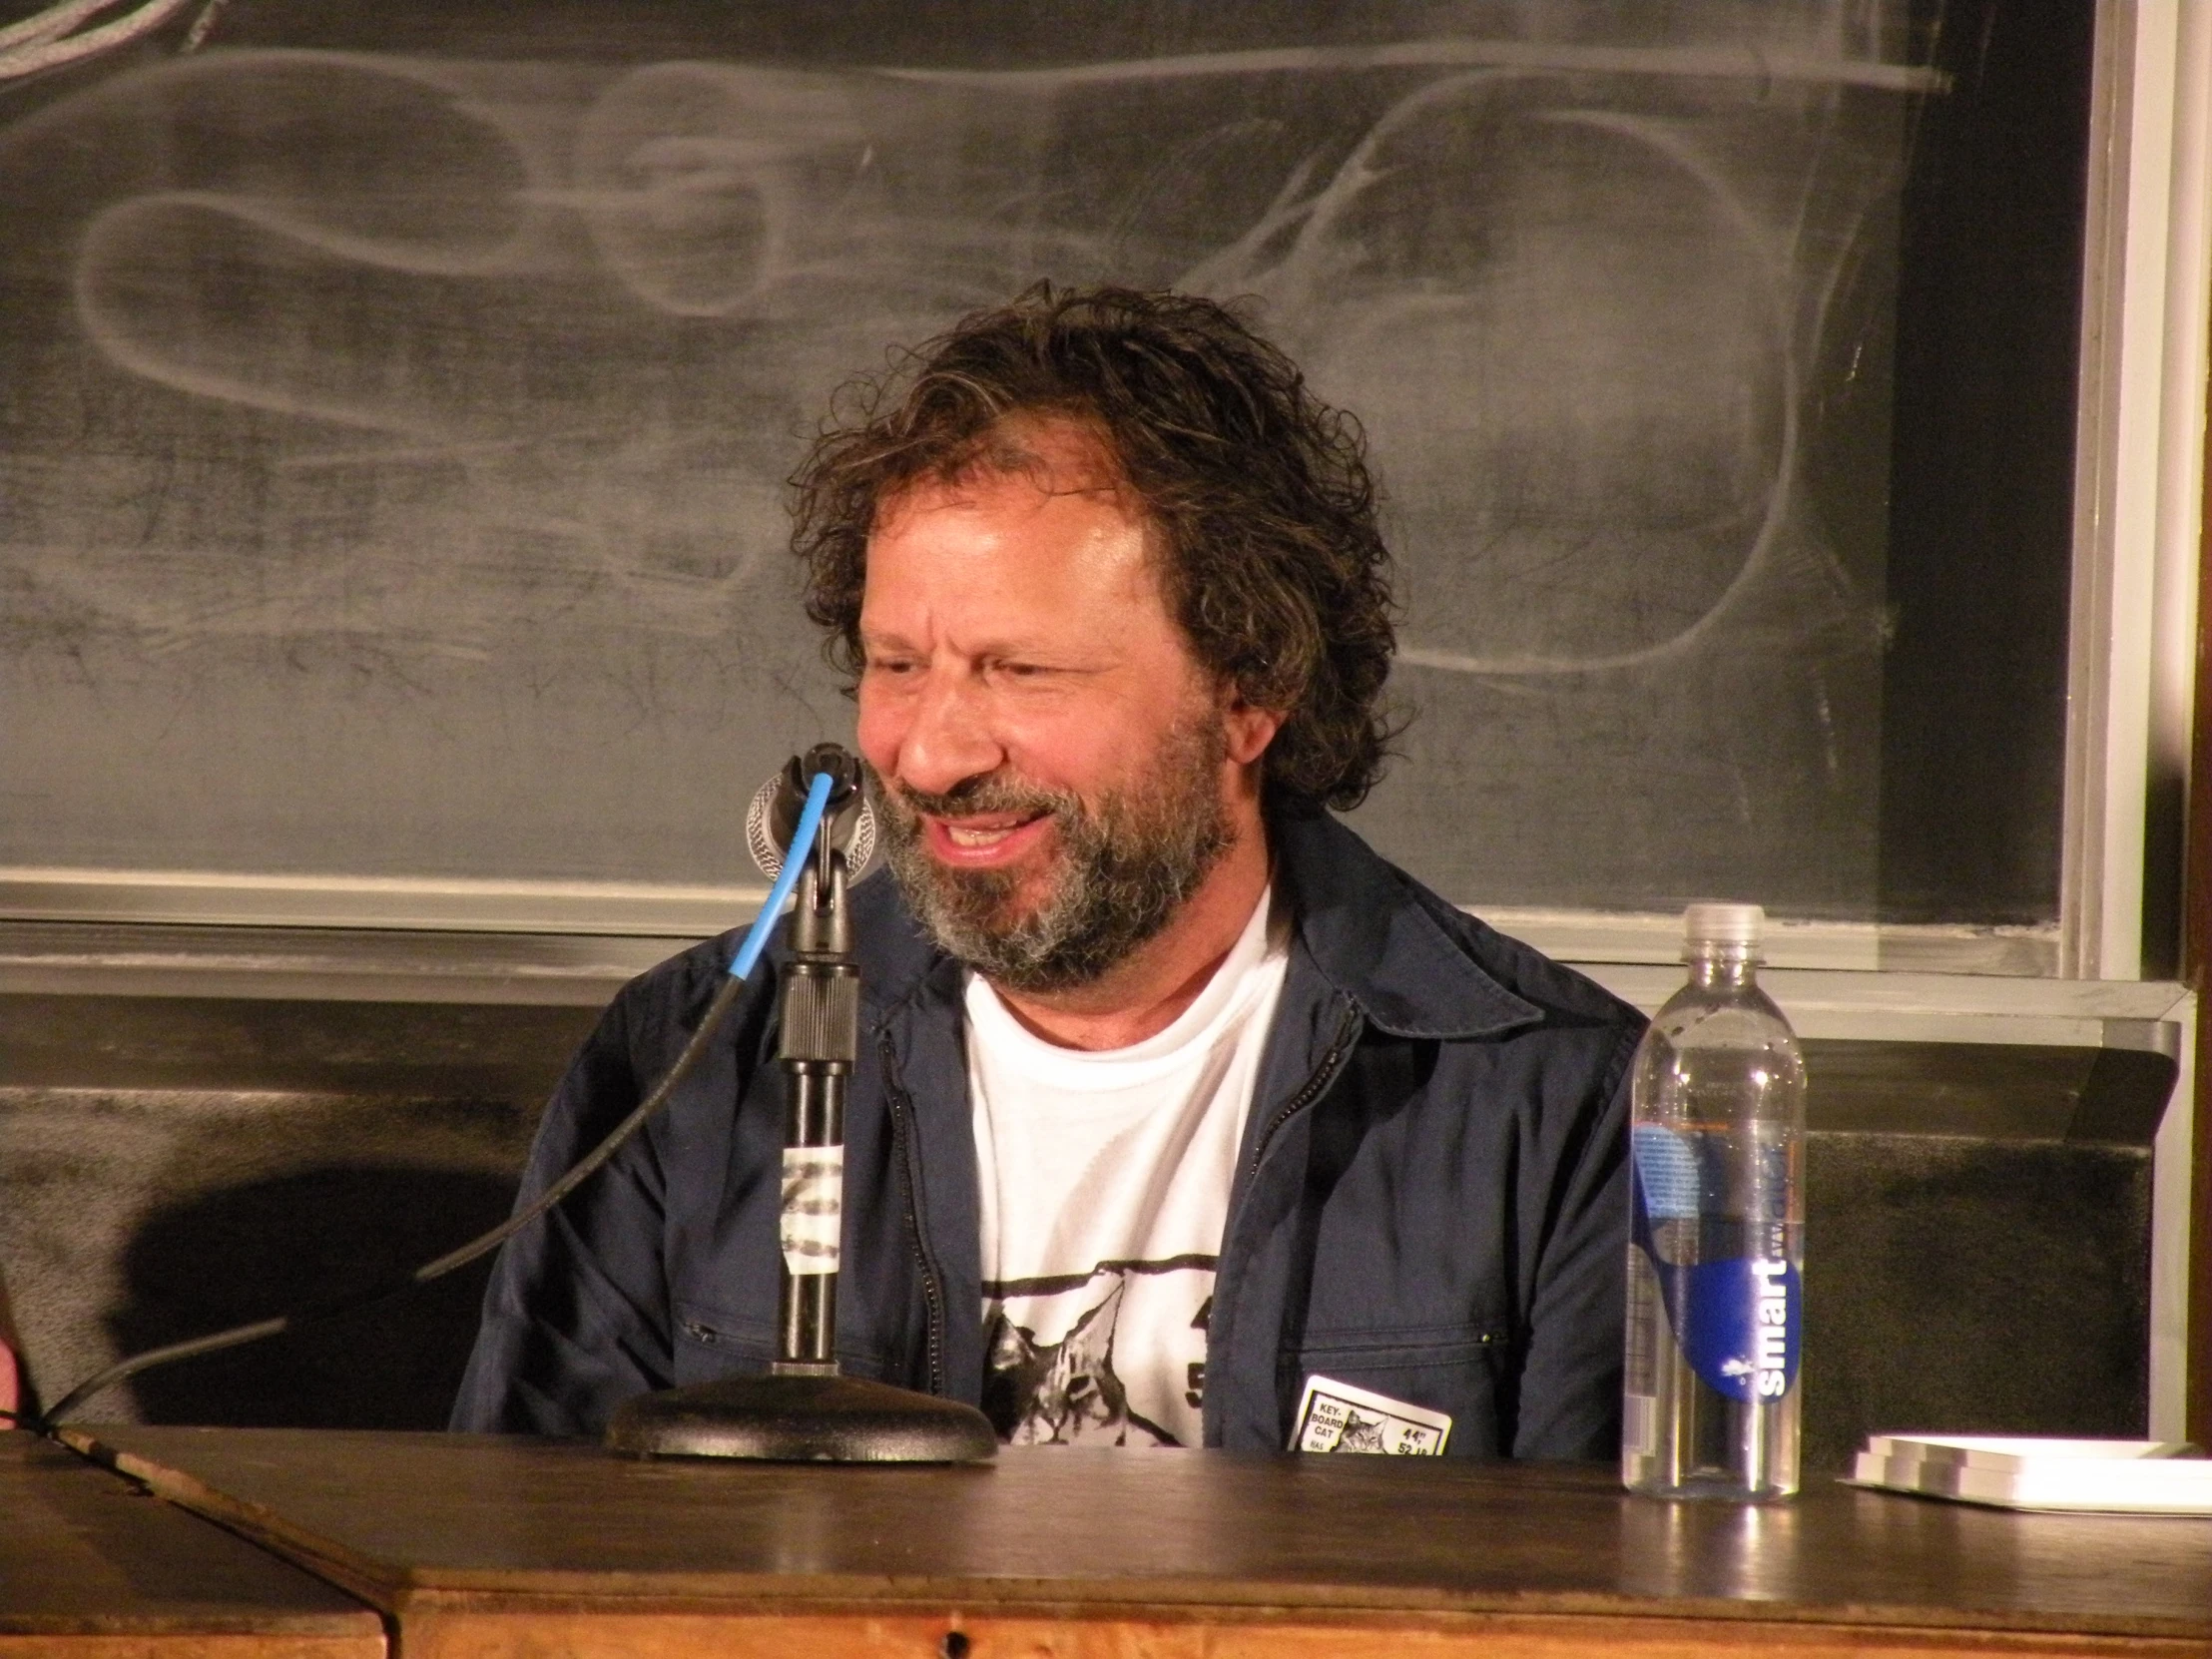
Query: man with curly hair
x,y
1177,1106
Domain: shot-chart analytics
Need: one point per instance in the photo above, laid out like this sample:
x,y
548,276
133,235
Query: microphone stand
x,y
818,1043
805,1410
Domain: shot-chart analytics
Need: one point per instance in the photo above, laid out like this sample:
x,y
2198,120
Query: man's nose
x,y
951,739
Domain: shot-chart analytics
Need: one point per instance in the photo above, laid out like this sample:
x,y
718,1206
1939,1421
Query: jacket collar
x,y
894,954
1370,931
1365,923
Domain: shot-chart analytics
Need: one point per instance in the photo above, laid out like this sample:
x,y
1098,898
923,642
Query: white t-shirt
x,y
1104,1184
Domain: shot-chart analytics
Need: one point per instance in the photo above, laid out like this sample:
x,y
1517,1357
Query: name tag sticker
x,y
1336,1417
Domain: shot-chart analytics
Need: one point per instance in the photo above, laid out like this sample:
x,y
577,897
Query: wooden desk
x,y
93,1569
481,1548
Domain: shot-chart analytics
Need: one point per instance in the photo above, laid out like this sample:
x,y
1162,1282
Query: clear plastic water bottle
x,y
1716,1230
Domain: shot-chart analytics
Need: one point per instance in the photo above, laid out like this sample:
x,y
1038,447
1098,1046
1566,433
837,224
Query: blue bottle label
x,y
1739,1318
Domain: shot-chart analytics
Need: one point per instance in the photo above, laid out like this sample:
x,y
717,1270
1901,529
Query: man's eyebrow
x,y
1057,653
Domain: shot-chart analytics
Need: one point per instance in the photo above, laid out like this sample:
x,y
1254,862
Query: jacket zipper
x,y
932,1293
1347,1033
1324,1074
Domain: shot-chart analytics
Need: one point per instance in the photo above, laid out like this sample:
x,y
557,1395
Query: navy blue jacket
x,y
1431,1200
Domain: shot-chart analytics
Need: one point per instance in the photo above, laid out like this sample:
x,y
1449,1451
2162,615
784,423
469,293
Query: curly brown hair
x,y
1273,565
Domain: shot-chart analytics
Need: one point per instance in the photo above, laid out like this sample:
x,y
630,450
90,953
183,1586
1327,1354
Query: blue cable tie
x,y
802,843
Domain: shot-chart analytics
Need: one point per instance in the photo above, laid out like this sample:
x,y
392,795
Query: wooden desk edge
x,y
192,1629
448,1625
106,1644
407,1594
248,1520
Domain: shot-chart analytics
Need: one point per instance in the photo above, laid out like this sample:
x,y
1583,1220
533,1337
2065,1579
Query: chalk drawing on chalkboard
x,y
444,382
1597,318
1536,333
692,178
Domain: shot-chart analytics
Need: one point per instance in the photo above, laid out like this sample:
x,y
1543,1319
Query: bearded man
x,y
1175,1103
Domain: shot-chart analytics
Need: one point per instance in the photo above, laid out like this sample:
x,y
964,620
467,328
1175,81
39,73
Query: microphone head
x,y
772,818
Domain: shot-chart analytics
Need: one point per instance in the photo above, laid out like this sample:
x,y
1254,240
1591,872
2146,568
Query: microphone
x,y
847,824
805,1409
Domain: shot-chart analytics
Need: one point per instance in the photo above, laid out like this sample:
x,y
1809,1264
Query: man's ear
x,y
1247,728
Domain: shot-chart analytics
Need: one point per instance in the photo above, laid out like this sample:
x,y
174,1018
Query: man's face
x,y
1055,763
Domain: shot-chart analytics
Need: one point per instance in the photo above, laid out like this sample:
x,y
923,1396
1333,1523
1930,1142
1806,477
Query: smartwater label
x,y
814,1202
1639,1424
1738,1320
1667,1169
1738,1323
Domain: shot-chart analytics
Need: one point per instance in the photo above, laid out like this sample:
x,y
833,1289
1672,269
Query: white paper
x,y
2024,1473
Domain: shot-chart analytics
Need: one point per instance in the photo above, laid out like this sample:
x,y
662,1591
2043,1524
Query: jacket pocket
x,y
1461,1370
711,1343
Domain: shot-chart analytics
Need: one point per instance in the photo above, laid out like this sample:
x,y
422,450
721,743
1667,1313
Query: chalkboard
x,y
394,404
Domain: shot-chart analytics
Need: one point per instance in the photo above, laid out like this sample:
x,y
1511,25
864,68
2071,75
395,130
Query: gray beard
x,y
1124,872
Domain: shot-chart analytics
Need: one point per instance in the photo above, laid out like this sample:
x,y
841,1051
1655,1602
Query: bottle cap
x,y
1722,923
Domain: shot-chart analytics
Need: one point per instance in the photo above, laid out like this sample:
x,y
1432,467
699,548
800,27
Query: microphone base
x,y
801,1419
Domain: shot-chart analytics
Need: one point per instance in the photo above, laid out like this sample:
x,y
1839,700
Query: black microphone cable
x,y
330,1308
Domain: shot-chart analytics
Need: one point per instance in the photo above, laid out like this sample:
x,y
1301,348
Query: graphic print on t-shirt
x,y
1063,1390
1102,1185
